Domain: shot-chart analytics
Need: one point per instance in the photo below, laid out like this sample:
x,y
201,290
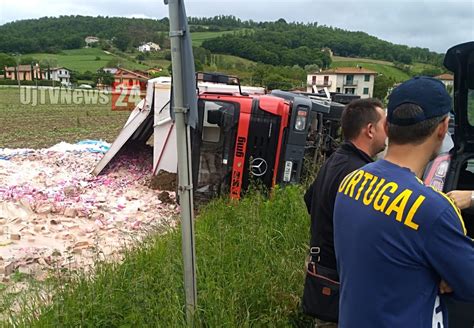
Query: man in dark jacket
x,y
362,124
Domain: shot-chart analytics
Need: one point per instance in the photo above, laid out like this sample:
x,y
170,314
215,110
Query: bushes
x,y
44,83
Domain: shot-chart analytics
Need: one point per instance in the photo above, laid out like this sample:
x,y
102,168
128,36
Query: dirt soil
x,y
164,181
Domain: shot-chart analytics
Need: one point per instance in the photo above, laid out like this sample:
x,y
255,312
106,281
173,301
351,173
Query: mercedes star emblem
x,y
258,167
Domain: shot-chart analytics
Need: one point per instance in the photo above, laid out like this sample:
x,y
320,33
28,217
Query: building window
x,y
367,77
366,91
338,89
314,80
350,91
326,80
350,79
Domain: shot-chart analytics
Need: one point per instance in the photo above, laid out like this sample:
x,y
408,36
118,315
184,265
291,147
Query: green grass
x,y
250,258
361,60
234,60
199,37
381,66
385,69
84,59
417,68
27,126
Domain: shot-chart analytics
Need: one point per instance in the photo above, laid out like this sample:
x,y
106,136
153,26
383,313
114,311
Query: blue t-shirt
x,y
395,239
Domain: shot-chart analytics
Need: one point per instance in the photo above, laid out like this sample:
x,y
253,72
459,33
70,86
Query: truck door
x,y
212,147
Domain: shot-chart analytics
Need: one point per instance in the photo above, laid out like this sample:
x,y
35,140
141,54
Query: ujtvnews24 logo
x,y
126,96
122,96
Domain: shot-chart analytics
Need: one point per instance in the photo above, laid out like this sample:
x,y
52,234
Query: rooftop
x,y
445,76
347,70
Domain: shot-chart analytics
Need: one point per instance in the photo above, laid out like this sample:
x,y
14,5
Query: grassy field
x,y
361,60
85,59
250,258
43,125
386,69
199,37
417,68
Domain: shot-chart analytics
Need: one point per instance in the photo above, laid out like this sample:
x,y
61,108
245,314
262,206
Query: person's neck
x,y
361,145
412,157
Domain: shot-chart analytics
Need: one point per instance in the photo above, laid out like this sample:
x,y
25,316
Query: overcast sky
x,y
432,24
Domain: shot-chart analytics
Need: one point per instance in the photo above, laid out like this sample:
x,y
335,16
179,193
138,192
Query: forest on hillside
x,y
287,42
273,43
53,34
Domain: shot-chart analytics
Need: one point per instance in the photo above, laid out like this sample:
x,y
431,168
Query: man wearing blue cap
x,y
399,244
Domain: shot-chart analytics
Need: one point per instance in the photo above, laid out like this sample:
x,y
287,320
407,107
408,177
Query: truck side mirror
x,y
214,117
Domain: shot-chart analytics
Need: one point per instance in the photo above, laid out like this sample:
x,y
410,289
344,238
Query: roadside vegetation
x,y
250,272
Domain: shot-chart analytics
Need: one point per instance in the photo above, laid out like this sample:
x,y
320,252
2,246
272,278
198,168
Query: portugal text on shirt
x,y
380,194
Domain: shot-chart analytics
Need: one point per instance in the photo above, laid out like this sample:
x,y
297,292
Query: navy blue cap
x,y
428,93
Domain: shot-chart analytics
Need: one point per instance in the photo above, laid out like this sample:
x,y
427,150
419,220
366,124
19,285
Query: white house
x,y
60,74
447,79
91,39
349,80
149,46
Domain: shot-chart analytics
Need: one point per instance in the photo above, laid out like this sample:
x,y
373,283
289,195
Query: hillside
x,y
51,34
389,70
395,72
199,37
272,54
260,41
86,59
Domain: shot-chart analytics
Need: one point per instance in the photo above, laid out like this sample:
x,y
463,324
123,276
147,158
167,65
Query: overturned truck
x,y
242,135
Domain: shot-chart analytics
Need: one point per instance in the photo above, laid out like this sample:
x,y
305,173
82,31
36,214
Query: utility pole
x,y
184,106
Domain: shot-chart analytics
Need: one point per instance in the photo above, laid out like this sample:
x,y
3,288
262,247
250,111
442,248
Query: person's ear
x,y
385,127
370,130
443,127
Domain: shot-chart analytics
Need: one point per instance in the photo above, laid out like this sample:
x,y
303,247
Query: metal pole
x,y
185,189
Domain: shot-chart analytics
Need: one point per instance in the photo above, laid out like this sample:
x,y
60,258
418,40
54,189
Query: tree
x,y
122,41
103,77
274,81
27,60
312,68
6,60
74,42
115,62
381,86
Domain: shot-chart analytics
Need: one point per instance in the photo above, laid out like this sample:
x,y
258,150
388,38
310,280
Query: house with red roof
x,y
446,78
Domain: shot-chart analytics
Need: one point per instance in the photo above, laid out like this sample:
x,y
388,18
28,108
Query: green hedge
x,y
47,83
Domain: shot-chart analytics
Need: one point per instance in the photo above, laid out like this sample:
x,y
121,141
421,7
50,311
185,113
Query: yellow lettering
x,y
345,180
398,204
409,219
366,200
354,181
367,177
380,206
